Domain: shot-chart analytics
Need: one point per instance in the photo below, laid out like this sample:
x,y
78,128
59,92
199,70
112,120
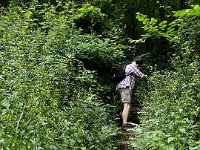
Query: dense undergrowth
x,y
171,113
55,88
48,98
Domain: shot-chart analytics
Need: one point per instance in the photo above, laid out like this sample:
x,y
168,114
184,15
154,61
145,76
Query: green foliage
x,y
90,19
54,67
188,12
170,117
90,11
165,29
48,99
171,113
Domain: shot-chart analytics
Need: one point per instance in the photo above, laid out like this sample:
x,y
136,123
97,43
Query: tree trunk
x,y
162,11
182,4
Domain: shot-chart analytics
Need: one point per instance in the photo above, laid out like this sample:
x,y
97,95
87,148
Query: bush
x,y
170,117
171,112
48,99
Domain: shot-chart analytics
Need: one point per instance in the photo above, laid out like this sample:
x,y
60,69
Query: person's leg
x,y
125,112
126,100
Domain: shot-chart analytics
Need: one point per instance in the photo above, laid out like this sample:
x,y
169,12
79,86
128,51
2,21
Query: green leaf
x,y
170,139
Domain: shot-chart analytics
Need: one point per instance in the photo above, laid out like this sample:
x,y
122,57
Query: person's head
x,y
138,62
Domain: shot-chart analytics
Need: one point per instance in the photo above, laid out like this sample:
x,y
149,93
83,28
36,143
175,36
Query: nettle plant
x,y
48,99
171,113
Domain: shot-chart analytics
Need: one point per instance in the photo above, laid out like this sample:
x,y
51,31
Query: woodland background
x,y
56,65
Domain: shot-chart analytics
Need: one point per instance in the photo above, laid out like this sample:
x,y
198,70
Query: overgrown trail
x,y
123,137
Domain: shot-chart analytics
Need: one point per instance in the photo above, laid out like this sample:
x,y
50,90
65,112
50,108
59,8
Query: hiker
x,y
125,87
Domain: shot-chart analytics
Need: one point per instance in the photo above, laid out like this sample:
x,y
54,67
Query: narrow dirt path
x,y
123,137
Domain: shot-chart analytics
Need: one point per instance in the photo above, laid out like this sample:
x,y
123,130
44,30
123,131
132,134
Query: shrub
x,y
48,99
171,107
171,111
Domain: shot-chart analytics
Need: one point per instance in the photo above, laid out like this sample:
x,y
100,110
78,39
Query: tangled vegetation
x,y
170,118
49,100
56,63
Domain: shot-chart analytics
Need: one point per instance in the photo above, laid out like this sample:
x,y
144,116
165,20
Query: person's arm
x,y
138,73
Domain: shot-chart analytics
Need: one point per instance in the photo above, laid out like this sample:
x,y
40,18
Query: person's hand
x,y
145,77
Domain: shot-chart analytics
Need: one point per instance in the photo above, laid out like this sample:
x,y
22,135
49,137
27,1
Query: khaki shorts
x,y
125,95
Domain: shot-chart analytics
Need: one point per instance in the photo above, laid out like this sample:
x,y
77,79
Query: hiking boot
x,y
124,127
